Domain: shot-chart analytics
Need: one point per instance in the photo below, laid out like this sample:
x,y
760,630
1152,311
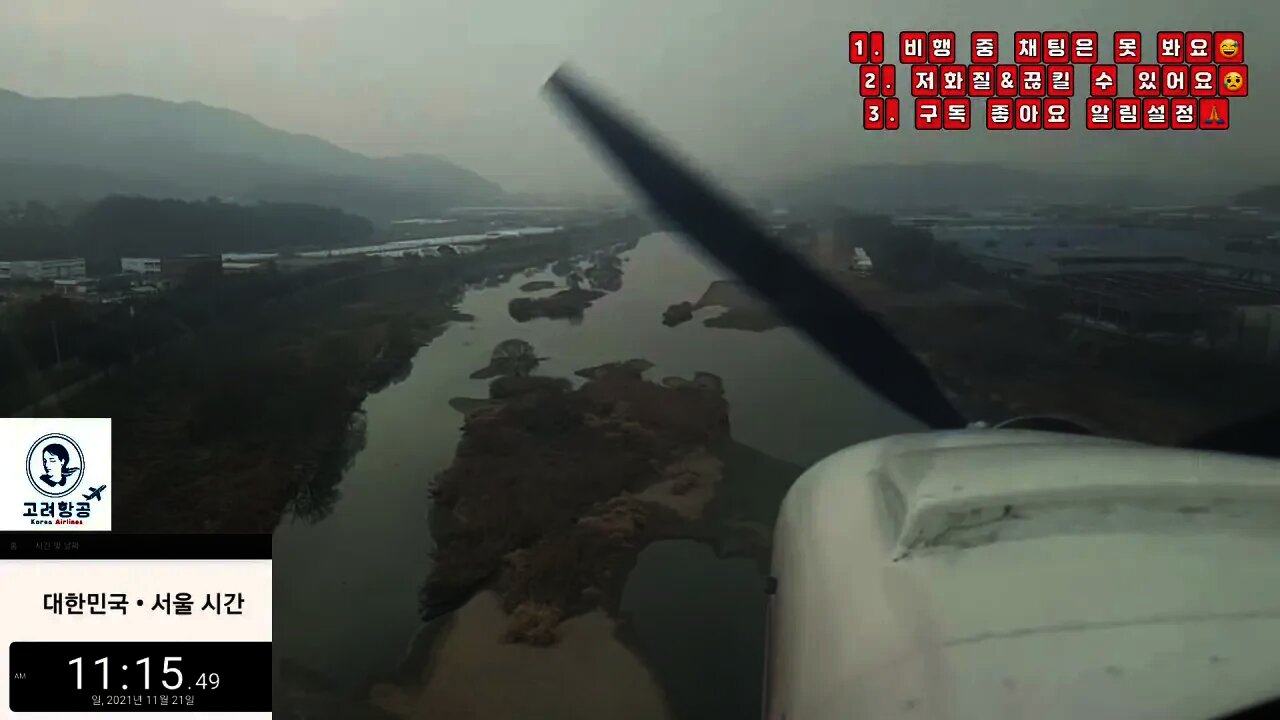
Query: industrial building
x,y
861,263
1154,302
173,268
42,270
97,289
1042,267
1154,282
140,265
75,287
1255,332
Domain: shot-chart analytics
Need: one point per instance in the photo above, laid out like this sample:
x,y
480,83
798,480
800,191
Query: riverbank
x,y
739,309
221,432
473,674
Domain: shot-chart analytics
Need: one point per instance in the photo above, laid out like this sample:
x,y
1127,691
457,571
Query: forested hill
x,y
123,226
1267,196
55,149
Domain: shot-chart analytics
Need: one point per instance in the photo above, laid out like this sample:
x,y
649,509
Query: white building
x,y
1258,331
42,269
75,287
861,263
232,267
140,265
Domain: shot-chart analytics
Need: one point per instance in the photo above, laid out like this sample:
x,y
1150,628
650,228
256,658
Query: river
x,y
348,569
397,248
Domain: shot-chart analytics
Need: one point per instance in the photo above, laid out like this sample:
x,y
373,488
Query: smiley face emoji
x,y
1233,81
1228,47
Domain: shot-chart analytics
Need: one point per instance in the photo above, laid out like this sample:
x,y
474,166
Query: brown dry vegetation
x,y
541,497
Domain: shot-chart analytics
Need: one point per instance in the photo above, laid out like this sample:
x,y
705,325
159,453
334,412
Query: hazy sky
x,y
751,88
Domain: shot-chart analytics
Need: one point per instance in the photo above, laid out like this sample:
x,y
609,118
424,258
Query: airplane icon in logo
x,y
95,493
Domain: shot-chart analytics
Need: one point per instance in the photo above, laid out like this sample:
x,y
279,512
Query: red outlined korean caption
x,y
1181,81
877,82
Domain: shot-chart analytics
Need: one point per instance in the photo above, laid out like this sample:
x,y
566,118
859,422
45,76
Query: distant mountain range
x,y
899,187
85,148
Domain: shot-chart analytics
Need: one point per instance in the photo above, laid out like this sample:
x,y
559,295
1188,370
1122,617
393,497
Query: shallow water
x,y
696,619
348,575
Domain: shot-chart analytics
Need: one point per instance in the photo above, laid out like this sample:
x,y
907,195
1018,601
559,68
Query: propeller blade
x,y
797,293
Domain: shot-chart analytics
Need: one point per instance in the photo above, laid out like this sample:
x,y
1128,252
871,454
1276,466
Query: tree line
x,y
54,334
52,341
117,226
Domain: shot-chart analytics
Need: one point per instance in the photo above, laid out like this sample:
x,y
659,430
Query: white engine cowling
x,y
1017,574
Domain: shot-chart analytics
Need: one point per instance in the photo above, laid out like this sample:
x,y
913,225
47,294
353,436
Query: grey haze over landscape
x,y
340,275
756,90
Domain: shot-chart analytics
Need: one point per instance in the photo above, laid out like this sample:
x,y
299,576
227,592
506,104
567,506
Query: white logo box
x,y
55,474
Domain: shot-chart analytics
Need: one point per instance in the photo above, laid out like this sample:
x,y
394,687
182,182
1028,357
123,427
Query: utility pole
x,y
57,351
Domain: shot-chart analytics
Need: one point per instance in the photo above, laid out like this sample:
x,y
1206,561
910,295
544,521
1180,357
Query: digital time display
x,y
140,677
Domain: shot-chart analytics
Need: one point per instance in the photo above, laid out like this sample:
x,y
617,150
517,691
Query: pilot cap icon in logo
x,y
55,465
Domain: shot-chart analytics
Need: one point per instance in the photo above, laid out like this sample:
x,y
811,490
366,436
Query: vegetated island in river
x,y
552,495
742,310
601,274
555,490
566,304
537,285
509,357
